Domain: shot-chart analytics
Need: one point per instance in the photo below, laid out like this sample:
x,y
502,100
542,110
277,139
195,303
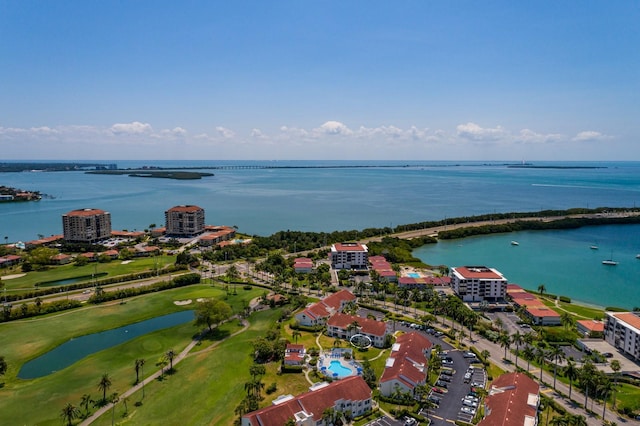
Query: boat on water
x,y
637,256
594,247
515,243
610,261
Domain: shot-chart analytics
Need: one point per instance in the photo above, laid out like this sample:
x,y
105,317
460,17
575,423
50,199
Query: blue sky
x,y
427,80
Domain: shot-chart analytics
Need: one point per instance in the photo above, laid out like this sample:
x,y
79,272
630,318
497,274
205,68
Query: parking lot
x,y
386,421
461,374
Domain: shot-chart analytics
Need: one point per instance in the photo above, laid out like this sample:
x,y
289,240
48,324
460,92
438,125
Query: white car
x,y
468,410
469,403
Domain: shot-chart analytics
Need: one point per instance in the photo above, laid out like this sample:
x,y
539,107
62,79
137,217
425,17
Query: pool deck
x,y
324,362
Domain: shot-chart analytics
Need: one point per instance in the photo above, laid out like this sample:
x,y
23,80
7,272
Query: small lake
x,y
77,348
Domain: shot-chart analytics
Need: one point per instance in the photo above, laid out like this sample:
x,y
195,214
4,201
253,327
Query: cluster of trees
x,y
211,312
529,225
398,250
269,347
254,388
99,295
24,310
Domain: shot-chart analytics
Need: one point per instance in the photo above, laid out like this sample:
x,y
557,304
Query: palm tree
x,y
138,365
114,398
571,373
295,335
170,356
69,413
517,340
85,402
558,355
485,354
542,289
505,341
499,323
528,354
604,388
616,367
540,356
104,385
567,320
587,378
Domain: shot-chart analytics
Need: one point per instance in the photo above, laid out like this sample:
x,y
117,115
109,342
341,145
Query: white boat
x,y
610,261
637,256
594,247
515,243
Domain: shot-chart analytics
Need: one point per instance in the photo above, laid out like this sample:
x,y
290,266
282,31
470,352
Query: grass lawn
x,y
207,387
628,396
580,311
113,268
45,396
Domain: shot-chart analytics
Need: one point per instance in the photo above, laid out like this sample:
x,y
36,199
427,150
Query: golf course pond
x,y
77,348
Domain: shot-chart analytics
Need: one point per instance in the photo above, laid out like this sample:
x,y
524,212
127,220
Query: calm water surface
x,y
76,349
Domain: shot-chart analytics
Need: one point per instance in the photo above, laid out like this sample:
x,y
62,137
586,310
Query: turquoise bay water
x,y
78,348
562,260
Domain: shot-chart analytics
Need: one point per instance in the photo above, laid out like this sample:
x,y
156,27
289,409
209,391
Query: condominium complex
x,y
184,221
622,330
349,256
478,283
86,225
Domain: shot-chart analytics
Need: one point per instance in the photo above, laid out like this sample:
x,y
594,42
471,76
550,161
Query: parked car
x,y
469,355
409,421
468,410
447,371
444,378
438,333
438,390
442,384
434,399
469,403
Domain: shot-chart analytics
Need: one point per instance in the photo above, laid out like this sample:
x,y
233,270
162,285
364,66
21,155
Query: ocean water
x,y
263,201
562,260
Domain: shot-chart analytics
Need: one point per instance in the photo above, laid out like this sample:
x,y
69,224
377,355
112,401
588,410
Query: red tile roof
x,y
314,402
542,312
478,272
335,300
411,347
349,247
367,325
185,209
85,212
592,325
629,318
509,400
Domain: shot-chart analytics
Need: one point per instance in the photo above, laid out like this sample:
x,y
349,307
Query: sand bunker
x,y
10,277
182,302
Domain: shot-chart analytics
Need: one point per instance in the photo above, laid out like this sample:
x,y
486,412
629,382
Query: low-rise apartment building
x,y
345,326
478,283
349,256
407,365
350,394
622,330
513,400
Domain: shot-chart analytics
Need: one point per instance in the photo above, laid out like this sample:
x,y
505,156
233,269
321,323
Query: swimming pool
x,y
413,275
336,367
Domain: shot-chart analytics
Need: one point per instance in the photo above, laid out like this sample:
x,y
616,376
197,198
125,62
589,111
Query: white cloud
x,y
333,128
472,131
590,135
225,133
257,134
133,128
529,136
